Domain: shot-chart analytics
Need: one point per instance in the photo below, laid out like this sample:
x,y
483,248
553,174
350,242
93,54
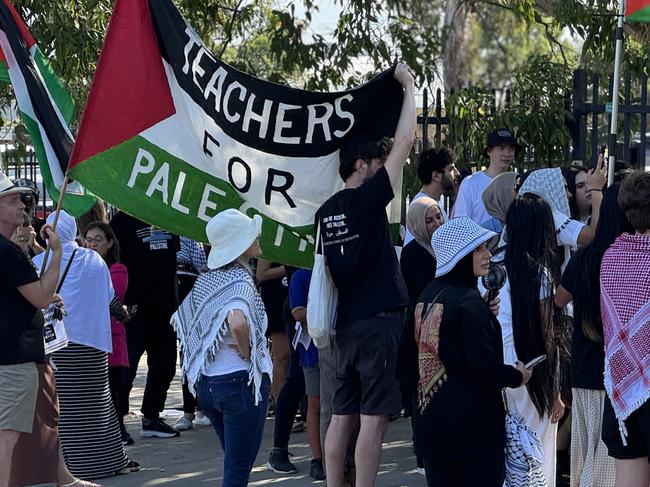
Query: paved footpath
x,y
195,458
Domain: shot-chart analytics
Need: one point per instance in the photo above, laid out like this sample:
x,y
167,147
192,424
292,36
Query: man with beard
x,y
437,172
501,150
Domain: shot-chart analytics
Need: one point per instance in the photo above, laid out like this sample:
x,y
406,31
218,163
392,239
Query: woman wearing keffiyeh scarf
x,y
221,326
550,184
625,311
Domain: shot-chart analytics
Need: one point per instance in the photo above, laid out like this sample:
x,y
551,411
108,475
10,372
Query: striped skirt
x,y
591,466
88,427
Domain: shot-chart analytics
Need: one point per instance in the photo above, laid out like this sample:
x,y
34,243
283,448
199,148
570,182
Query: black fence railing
x,y
592,118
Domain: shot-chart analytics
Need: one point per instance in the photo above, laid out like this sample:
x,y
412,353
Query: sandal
x,y
132,466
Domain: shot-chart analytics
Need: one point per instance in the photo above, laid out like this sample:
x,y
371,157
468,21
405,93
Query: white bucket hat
x,y
7,187
456,239
231,233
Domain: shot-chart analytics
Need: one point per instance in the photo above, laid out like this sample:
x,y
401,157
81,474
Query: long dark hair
x,y
532,263
611,223
570,174
113,255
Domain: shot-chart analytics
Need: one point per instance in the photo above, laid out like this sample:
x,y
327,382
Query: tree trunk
x,y
458,32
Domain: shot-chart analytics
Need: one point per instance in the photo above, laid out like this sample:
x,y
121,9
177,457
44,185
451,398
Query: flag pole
x,y
611,142
57,211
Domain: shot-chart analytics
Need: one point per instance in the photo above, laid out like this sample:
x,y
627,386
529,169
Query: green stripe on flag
x,y
74,204
61,97
641,15
4,73
157,187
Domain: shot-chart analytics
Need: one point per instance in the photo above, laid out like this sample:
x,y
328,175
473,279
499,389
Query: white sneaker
x,y
202,420
421,471
183,424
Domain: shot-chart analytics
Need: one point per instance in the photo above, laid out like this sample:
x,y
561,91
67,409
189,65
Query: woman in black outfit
x,y
459,416
418,265
417,260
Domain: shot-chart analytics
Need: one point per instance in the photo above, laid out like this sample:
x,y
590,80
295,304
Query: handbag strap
x,y
427,309
65,272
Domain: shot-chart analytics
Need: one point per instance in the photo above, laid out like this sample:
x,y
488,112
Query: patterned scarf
x,y
428,317
200,322
625,308
549,184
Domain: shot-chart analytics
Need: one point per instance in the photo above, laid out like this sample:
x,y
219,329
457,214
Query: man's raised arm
x,y
405,132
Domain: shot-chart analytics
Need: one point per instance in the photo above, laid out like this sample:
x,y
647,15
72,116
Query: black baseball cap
x,y
501,136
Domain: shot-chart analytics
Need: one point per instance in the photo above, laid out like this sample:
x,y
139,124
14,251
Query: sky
x,y
324,20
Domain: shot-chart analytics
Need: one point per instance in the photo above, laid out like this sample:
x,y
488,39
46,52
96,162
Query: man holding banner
x,y
372,293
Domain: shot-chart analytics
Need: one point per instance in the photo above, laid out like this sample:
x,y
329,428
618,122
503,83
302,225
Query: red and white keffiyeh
x,y
625,310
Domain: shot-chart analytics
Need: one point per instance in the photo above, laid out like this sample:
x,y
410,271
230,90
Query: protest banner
x,y
173,135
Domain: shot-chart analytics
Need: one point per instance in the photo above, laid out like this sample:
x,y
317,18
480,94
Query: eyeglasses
x,y
97,239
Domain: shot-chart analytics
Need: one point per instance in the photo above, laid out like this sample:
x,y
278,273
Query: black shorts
x,y
638,432
278,316
366,358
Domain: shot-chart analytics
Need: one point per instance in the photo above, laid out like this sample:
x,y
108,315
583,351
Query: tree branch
x,y
229,28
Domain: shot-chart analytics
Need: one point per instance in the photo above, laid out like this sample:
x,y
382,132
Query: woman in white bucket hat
x,y
221,326
459,414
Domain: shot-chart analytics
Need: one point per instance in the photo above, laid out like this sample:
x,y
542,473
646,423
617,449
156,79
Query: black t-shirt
x,y
150,256
587,356
359,250
21,324
274,293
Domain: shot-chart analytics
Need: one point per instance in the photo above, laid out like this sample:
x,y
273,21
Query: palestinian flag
x,y
172,135
637,11
45,107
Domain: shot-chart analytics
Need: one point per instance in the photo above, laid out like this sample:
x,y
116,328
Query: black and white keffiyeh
x,y
200,322
549,184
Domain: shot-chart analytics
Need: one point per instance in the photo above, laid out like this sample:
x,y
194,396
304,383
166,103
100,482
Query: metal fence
x,y
592,116
589,128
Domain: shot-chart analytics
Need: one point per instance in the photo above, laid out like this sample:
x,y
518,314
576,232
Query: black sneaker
x,y
157,428
279,462
127,439
316,470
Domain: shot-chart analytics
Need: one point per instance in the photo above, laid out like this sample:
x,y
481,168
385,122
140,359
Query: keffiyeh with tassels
x,y
200,322
625,310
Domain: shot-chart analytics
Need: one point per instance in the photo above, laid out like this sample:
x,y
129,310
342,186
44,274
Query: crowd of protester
x,y
427,335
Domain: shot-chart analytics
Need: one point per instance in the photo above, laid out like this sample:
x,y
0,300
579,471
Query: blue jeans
x,y
230,404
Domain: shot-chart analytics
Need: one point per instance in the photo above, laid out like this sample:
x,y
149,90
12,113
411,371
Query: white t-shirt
x,y
408,237
567,234
469,201
228,361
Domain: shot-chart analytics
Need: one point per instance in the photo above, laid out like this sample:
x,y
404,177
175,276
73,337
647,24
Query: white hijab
x,y
86,291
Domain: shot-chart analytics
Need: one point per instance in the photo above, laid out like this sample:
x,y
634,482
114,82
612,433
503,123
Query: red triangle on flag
x,y
130,91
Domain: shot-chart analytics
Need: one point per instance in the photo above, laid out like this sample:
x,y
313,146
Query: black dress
x,y
464,420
